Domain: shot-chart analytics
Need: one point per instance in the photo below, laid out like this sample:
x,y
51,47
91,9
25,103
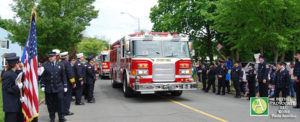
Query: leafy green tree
x,y
189,17
59,22
270,27
6,23
92,46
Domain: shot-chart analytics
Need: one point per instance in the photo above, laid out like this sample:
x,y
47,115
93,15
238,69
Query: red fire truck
x,y
156,62
104,64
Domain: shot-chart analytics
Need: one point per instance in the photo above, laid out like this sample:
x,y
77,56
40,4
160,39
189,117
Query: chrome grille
x,y
163,72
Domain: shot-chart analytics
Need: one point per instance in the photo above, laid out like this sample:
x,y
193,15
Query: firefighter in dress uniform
x,y
251,74
297,78
54,84
90,79
79,78
211,73
71,82
237,76
262,77
11,91
221,74
282,82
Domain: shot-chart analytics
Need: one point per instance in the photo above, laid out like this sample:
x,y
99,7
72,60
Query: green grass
x,y
41,96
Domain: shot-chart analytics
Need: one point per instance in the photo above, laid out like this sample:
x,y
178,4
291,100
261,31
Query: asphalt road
x,y
192,106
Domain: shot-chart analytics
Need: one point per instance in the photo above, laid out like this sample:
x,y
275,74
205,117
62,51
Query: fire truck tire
x,y
176,93
128,92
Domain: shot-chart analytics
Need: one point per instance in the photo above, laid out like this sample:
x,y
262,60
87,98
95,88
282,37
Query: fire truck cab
x,y
104,64
156,62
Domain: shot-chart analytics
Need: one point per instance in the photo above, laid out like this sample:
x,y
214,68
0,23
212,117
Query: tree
x,y
189,17
92,46
259,25
6,23
59,22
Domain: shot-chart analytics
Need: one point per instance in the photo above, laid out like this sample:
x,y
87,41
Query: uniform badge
x,y
79,64
89,67
58,67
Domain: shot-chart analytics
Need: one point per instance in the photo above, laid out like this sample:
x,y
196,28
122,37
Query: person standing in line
x,y
211,73
291,91
79,78
71,83
262,77
54,84
221,74
297,78
12,101
282,81
236,77
198,69
90,79
203,72
227,83
251,74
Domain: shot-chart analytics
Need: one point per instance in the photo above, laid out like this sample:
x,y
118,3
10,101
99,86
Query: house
x,y
6,46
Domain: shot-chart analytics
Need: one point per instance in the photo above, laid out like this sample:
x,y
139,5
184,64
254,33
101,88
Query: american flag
x,y
219,47
30,106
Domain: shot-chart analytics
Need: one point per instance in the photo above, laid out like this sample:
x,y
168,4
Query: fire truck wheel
x,y
176,93
128,92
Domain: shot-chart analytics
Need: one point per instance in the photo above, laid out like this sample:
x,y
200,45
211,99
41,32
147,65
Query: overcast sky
x,y
110,23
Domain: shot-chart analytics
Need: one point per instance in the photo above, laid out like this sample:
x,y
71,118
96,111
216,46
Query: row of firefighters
x,y
59,77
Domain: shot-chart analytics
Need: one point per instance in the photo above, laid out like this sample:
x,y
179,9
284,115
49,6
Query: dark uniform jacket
x,y
212,74
90,73
297,70
262,72
10,92
79,72
251,75
69,72
204,71
236,73
282,79
54,78
222,70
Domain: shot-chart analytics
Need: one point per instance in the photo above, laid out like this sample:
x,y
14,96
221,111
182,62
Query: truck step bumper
x,y
153,87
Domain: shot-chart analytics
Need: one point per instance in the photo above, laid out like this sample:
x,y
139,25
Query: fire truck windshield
x,y
105,57
160,49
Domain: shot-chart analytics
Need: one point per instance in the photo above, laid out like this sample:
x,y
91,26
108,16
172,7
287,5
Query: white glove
x,y
22,99
65,89
43,89
20,85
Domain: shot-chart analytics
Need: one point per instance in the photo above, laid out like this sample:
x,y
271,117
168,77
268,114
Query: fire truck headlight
x,y
184,72
142,72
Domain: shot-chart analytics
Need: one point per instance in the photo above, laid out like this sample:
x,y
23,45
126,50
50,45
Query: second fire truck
x,y
104,64
146,64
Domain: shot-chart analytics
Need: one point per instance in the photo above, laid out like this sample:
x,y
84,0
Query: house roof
x,y
3,34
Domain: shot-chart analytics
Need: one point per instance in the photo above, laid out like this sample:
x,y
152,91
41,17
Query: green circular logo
x,y
259,106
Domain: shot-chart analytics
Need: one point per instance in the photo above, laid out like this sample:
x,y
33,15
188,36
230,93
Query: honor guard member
x,y
221,74
79,78
54,84
251,74
262,77
297,78
237,76
282,82
11,91
211,73
90,79
57,52
71,82
204,76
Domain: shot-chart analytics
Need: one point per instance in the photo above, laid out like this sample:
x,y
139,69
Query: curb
x,y
41,101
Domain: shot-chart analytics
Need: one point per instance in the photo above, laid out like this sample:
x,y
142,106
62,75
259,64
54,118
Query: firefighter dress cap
x,y
64,54
251,64
50,54
80,55
56,51
12,58
89,58
297,52
283,64
261,56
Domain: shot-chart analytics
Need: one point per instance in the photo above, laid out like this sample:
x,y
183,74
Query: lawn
x,y
41,96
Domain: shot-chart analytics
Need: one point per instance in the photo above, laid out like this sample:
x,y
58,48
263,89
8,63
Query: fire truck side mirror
x,y
127,46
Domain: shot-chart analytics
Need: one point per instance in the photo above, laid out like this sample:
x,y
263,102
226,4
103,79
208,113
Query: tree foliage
x,y
92,46
59,22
